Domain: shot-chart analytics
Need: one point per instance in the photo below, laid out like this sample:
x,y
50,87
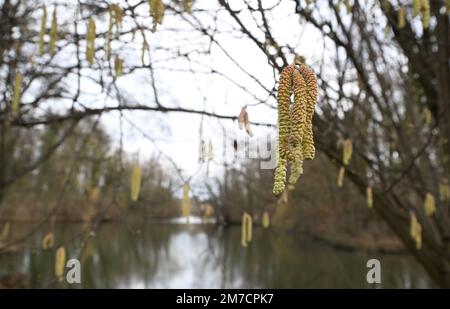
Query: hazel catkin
x,y
53,33
43,30
429,204
295,136
60,262
312,91
415,231
90,41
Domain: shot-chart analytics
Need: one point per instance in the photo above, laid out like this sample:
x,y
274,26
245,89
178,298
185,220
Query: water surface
x,y
170,255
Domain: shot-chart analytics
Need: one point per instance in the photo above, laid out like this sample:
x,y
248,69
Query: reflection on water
x,y
207,256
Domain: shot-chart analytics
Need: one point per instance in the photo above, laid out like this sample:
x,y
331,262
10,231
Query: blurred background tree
x,y
384,82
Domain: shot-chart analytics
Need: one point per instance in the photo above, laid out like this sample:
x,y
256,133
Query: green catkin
x,y
53,33
17,89
284,92
295,136
347,151
280,176
312,92
297,127
401,17
385,5
348,6
246,229
297,114
415,231
249,226
135,182
187,5
265,220
340,179
5,231
116,14
369,197
417,4
48,241
157,9
60,262
425,8
118,66
43,31
429,204
447,6
90,41
243,231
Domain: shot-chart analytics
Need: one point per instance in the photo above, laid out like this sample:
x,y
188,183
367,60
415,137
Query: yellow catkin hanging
x,y
157,9
187,5
186,202
369,196
417,4
444,191
297,127
340,179
116,16
312,93
249,226
429,204
5,231
283,98
53,33
135,182
94,194
243,231
48,241
347,151
348,6
109,33
118,66
60,262
425,8
295,136
385,5
415,231
90,41
43,31
266,219
246,232
401,17
447,6
17,89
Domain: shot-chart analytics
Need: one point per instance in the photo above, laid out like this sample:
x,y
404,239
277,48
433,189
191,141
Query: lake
x,y
174,255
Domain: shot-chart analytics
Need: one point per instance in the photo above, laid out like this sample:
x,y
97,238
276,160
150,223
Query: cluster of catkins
x,y
295,133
